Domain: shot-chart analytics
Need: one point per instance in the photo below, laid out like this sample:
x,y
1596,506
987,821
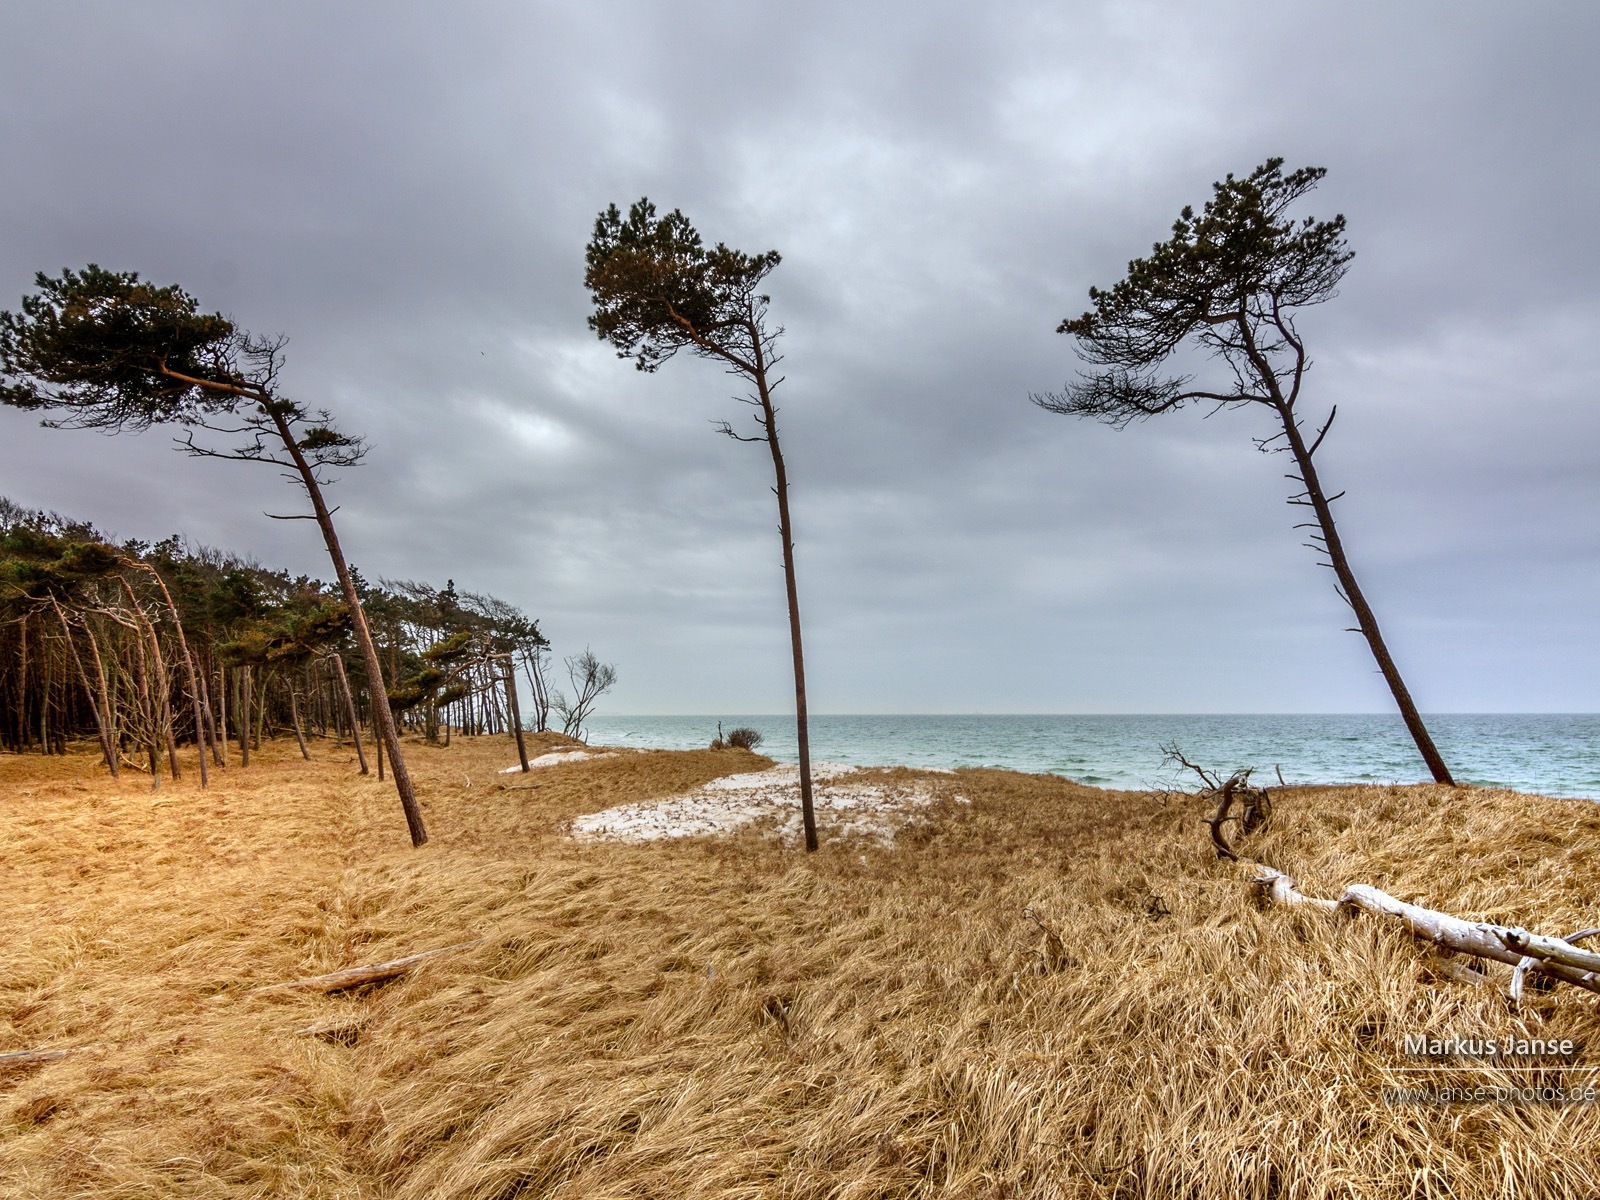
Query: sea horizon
x,y
1551,753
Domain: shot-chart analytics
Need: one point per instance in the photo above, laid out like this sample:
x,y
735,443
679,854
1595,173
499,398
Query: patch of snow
x,y
556,757
873,810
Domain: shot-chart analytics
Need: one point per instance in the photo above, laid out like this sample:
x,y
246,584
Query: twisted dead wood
x,y
1554,957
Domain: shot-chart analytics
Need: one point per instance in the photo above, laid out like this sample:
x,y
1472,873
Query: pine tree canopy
x,y
106,347
657,289
1230,279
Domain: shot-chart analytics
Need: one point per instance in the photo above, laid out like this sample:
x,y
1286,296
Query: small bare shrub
x,y
745,738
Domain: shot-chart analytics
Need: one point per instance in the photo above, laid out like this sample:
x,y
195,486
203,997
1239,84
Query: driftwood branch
x,y
354,977
30,1058
1554,957
1519,976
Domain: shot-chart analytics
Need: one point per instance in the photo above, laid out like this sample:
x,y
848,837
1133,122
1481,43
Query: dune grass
x,y
1050,991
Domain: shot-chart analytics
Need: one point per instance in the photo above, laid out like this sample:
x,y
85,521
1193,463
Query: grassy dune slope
x,y
1049,991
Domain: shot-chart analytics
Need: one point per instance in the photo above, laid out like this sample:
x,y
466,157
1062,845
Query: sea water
x,y
1556,754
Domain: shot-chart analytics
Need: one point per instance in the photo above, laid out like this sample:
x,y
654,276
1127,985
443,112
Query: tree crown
x,y
1230,279
106,347
657,289
115,352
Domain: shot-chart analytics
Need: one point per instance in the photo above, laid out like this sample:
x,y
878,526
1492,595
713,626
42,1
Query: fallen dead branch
x,y
343,1030
354,977
1557,958
18,1059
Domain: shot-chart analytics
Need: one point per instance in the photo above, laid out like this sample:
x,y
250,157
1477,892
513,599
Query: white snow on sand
x,y
872,810
556,757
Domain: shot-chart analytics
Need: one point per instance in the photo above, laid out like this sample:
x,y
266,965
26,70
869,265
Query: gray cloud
x,y
407,193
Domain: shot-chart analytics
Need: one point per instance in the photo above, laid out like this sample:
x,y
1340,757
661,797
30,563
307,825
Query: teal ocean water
x,y
1551,753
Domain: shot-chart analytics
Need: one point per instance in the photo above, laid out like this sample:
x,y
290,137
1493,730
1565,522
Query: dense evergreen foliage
x,y
152,647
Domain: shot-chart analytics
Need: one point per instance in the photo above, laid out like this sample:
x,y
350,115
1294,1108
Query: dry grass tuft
x,y
1049,991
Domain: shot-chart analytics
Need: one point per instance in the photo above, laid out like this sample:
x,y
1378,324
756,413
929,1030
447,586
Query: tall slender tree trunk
x,y
261,708
241,716
350,708
23,735
163,687
516,713
222,713
94,701
533,668
110,686
44,695
148,708
1358,602
113,754
358,621
210,723
188,667
294,718
786,532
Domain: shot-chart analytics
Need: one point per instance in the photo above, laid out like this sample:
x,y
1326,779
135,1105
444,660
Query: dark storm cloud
x,y
406,190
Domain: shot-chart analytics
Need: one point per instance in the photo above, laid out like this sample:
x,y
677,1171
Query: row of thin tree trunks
x,y
142,699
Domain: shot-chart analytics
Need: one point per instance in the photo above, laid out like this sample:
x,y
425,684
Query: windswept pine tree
x,y
657,290
1231,281
109,351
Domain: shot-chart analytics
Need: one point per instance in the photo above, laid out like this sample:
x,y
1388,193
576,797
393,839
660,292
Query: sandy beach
x,y
983,984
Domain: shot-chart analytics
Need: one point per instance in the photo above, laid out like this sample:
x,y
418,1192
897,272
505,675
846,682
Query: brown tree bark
x,y
241,715
358,621
1351,591
265,688
114,758
211,725
294,719
162,687
516,713
1316,499
343,681
94,701
786,533
148,709
354,977
188,667
222,714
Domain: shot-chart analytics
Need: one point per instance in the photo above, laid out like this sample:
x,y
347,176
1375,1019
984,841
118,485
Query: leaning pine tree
x,y
1230,281
658,290
113,352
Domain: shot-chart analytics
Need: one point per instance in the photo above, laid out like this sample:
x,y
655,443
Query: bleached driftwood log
x,y
354,977
1555,957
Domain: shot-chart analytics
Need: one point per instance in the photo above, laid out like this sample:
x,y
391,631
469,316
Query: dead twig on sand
x,y
1257,803
20,1059
354,977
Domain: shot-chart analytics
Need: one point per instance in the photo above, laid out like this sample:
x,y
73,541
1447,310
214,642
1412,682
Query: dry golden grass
x,y
726,1018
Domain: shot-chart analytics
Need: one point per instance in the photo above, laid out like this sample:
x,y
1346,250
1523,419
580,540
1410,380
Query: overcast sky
x,y
406,190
